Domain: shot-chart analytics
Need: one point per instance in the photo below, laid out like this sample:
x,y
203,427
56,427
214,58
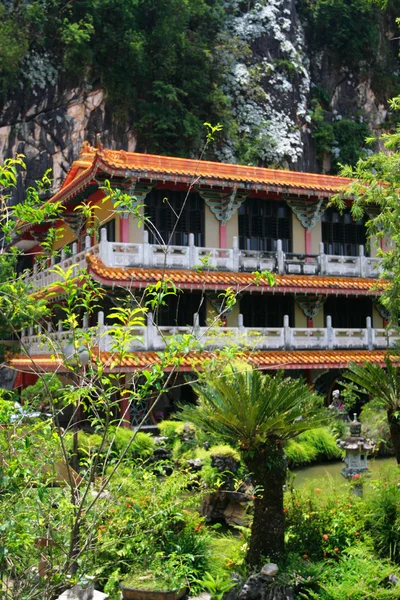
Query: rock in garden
x,y
195,464
79,593
203,596
270,570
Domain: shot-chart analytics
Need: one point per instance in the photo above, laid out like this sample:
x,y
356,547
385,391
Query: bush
x,y
323,522
141,447
225,450
317,444
376,427
383,520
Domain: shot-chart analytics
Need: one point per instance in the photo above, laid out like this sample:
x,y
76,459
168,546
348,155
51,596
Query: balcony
x,y
117,254
153,338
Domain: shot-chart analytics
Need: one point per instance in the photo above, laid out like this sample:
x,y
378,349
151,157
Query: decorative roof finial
x,y
99,144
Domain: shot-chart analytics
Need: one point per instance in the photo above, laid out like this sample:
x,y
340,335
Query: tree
x,y
383,386
259,413
375,191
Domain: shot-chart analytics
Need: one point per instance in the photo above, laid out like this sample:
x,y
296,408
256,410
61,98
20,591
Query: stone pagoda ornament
x,y
357,449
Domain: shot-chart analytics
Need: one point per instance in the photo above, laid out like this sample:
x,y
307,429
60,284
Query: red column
x,y
123,229
310,322
222,235
307,241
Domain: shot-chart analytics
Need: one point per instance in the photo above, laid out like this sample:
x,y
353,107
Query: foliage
x,y
257,413
347,29
342,139
321,523
39,395
376,427
157,60
357,576
316,445
374,189
383,517
247,408
382,386
151,525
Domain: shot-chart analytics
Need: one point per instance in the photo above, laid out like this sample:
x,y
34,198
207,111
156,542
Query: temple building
x,y
235,221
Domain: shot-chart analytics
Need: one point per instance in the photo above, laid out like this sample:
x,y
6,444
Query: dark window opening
x,y
164,216
110,229
341,235
24,262
179,310
349,313
266,311
262,223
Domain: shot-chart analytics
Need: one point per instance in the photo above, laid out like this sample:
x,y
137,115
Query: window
x,y
348,313
180,309
266,311
110,229
262,223
163,216
341,235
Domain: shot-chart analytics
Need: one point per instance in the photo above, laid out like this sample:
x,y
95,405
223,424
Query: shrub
x,y
375,426
383,520
225,450
316,444
141,447
323,522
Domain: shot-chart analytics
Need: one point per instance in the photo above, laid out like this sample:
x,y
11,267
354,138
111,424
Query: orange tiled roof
x,y
304,359
135,165
218,280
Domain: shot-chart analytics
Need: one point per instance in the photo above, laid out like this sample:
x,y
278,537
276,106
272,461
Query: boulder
x,y
270,569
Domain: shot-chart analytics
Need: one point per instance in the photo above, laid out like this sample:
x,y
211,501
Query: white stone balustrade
x,y
151,337
118,254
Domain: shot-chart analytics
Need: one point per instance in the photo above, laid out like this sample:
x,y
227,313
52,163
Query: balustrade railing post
x,y
149,339
146,249
330,334
101,330
240,321
63,255
280,257
88,242
59,326
192,252
322,259
235,254
370,334
287,333
361,261
85,321
74,249
105,249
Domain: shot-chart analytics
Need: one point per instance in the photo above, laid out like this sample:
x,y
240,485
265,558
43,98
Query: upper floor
x,y
197,213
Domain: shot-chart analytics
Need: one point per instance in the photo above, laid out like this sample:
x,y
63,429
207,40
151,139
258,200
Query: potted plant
x,y
152,586
163,580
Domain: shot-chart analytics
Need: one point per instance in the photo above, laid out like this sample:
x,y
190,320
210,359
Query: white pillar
x,y
280,256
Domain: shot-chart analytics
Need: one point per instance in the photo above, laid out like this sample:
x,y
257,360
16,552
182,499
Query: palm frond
x,y
249,407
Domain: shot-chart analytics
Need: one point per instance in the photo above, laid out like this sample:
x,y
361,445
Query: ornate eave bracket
x,y
138,192
384,313
310,304
223,205
76,222
309,212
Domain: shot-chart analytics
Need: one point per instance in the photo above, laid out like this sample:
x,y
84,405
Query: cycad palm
x,y
259,413
382,385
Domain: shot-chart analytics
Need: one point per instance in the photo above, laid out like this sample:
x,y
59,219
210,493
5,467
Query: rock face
x,y
50,127
269,81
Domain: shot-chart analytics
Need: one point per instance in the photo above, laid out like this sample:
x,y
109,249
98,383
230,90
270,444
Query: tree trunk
x,y
394,426
267,464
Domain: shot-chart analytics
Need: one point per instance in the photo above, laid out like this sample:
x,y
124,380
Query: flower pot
x,y
129,593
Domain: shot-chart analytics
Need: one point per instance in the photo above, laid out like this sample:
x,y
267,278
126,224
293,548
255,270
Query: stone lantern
x,y
357,448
